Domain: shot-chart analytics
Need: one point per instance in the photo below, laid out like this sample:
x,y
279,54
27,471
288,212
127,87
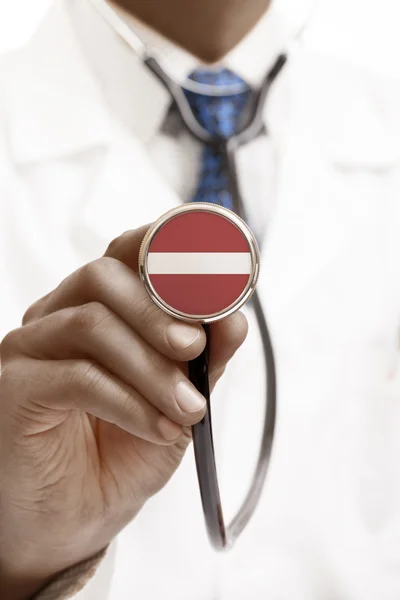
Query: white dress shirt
x,y
84,156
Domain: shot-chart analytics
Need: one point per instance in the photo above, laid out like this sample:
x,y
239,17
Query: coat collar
x,y
52,103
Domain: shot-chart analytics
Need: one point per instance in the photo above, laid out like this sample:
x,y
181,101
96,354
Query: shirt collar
x,y
64,92
136,96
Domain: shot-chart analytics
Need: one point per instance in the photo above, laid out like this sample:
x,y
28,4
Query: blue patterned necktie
x,y
221,116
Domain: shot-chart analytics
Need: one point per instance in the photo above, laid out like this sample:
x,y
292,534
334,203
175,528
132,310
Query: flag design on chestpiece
x,y
199,263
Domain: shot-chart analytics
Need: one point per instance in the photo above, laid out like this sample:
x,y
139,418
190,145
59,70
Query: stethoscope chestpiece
x,y
199,262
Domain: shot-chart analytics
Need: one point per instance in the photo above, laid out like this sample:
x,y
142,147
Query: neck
x,y
208,29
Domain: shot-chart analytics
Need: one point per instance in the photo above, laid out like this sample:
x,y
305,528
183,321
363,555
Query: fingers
x,y
83,385
93,332
126,247
103,312
110,282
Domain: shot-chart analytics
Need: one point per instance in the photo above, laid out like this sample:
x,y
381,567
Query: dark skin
x,y
208,29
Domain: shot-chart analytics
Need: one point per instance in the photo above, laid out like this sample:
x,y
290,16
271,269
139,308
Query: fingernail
x,y
168,429
188,398
181,336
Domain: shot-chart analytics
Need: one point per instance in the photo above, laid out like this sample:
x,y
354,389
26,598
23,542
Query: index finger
x,y
112,283
126,247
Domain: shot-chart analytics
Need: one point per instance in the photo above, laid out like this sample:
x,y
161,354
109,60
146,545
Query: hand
x,y
95,413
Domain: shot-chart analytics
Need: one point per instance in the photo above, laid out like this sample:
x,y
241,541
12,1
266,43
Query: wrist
x,y
18,585
23,573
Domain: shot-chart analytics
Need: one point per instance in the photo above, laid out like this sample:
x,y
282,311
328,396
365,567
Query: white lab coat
x,y
328,526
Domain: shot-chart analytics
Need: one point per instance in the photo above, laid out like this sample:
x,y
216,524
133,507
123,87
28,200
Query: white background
x,y
18,19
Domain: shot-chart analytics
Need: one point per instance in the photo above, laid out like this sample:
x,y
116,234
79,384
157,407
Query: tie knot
x,y
220,113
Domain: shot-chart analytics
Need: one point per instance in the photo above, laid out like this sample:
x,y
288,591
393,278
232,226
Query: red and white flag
x,y
199,263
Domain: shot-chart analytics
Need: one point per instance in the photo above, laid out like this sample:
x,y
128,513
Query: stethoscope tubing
x,y
224,536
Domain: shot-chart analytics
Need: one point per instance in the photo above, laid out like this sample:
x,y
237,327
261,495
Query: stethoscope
x,y
221,536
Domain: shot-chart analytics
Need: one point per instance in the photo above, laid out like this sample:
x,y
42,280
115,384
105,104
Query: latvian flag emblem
x,y
200,261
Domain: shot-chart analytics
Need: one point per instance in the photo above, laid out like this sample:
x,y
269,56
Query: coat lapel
x,y
124,191
328,136
312,223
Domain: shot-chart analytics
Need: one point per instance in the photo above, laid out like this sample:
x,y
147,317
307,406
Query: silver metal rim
x,y
254,252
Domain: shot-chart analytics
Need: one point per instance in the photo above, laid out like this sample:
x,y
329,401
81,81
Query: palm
x,y
109,468
86,472
138,466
